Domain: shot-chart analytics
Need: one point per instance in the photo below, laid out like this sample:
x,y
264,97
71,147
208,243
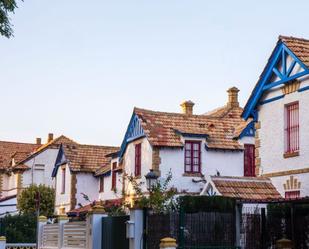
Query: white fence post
x,y
94,227
62,219
42,220
2,242
136,218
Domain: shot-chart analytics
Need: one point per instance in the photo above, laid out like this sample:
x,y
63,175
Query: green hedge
x,y
19,228
192,204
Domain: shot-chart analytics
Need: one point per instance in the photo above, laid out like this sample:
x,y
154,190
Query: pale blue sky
x,y
79,67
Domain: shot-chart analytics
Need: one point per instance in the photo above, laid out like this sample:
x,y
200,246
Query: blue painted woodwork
x,y
59,160
279,55
134,131
185,134
303,89
249,131
271,99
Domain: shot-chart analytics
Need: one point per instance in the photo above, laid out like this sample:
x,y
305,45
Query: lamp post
x,y
151,179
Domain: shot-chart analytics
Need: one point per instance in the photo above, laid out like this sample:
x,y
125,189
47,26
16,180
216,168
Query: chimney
x,y
233,97
50,137
187,107
38,141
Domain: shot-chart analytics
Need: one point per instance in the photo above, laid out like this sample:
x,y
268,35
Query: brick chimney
x,y
233,97
187,107
50,137
38,141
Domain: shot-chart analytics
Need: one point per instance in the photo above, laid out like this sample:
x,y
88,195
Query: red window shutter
x,y
249,160
114,175
292,128
292,194
138,159
192,157
101,183
63,181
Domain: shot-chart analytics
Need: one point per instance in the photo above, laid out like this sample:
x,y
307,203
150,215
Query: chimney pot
x,y
38,141
187,107
233,97
50,137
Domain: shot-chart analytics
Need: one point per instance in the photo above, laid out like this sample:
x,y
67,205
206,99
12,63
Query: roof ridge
x,y
101,146
2,141
292,37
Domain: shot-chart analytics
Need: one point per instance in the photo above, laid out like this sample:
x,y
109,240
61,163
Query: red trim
x,y
249,160
292,127
138,159
114,176
192,157
292,194
63,181
101,184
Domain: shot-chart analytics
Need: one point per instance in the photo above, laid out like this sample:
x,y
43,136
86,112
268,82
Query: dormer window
x,y
192,157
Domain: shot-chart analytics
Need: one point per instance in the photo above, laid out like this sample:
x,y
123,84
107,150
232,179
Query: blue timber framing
x,y
134,131
59,161
249,131
280,54
306,88
271,99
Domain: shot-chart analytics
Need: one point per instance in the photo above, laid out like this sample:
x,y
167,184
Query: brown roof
x,y
18,151
162,128
87,158
249,188
103,170
299,46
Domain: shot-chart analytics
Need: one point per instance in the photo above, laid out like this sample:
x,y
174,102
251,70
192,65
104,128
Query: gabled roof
x,y
87,158
298,49
164,129
248,188
16,150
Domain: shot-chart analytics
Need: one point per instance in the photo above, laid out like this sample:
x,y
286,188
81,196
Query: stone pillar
x,y
137,218
2,242
168,243
94,227
42,220
284,244
62,219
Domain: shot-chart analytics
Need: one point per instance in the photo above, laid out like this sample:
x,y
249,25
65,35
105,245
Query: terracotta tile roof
x,y
162,128
103,170
250,188
241,127
18,151
87,158
299,46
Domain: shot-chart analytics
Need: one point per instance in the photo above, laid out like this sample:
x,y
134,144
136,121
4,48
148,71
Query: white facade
x,y
272,140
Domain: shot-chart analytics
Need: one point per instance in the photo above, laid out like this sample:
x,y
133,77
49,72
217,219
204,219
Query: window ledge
x,y
192,174
290,154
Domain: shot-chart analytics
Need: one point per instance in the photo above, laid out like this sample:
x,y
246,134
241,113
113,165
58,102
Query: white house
x,y
191,146
279,105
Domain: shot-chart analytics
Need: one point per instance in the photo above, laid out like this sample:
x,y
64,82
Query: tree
x,y
6,7
26,201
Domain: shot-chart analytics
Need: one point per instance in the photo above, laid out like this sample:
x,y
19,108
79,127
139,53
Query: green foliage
x,y
26,201
160,198
19,228
192,204
6,7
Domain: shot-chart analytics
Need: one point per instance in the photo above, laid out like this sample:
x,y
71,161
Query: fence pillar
x,y
94,227
2,242
62,219
137,217
42,220
238,214
168,243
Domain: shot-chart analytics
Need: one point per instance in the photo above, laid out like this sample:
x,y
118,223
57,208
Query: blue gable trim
x,y
249,131
59,161
279,54
271,99
134,131
303,89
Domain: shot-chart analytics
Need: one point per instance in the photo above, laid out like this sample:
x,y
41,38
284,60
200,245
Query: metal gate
x,y
114,232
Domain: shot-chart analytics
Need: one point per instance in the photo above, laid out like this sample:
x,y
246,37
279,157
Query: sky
x,y
78,68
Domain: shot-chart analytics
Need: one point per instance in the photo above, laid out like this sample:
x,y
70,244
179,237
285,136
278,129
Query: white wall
x,y
271,136
9,185
10,209
87,184
63,199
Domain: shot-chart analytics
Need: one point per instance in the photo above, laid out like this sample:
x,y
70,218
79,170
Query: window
x,y
292,128
63,180
292,194
114,175
192,157
249,160
138,159
101,184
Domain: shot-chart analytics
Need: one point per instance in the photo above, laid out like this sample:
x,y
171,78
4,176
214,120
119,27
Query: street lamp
x,y
151,179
